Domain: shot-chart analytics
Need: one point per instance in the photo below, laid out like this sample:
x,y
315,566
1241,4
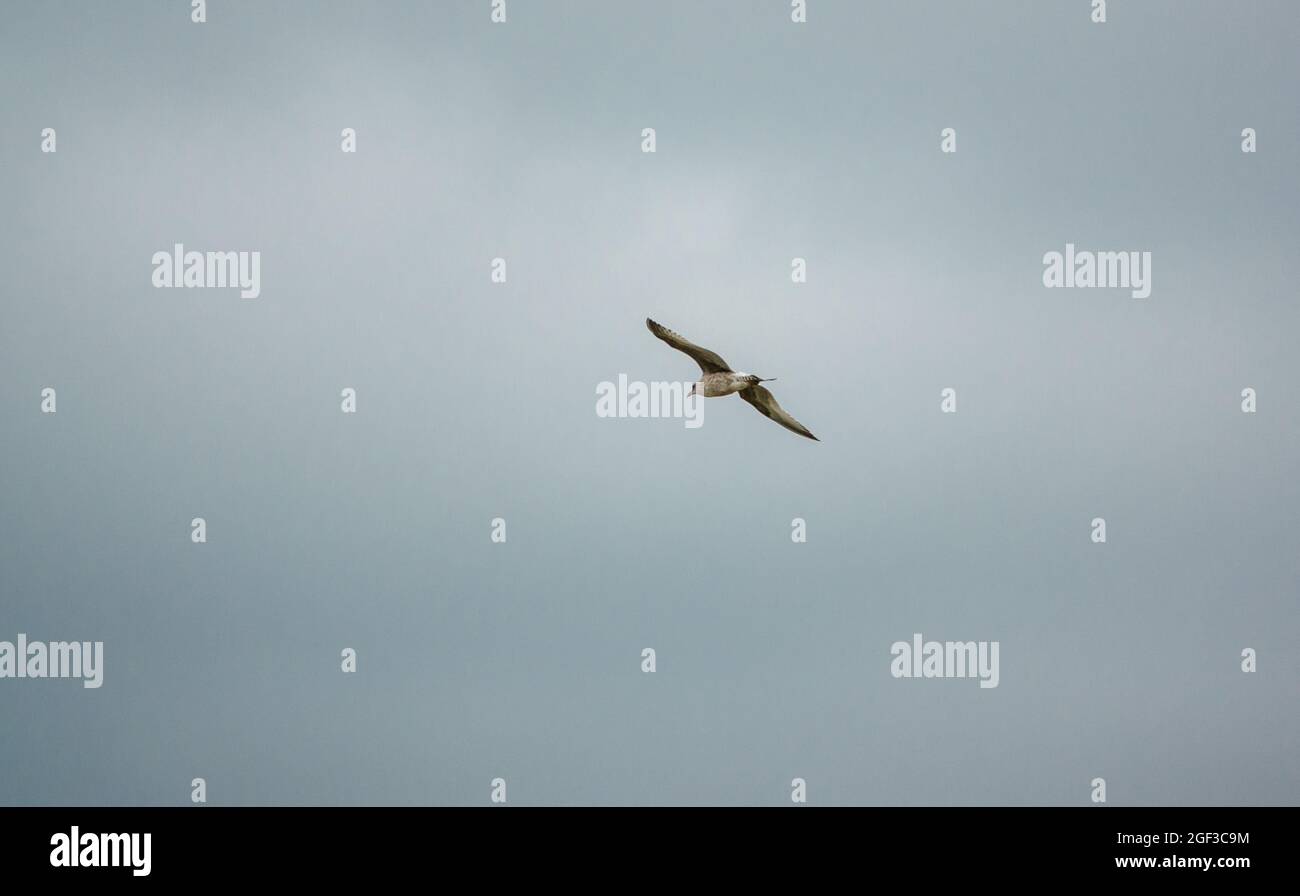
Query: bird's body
x,y
719,379
715,385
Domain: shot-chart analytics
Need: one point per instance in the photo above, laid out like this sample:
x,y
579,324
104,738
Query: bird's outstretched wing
x,y
767,406
710,362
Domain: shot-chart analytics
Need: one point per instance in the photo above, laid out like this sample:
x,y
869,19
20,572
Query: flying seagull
x,y
720,379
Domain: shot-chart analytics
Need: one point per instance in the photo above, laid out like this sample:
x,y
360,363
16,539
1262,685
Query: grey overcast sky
x,y
476,400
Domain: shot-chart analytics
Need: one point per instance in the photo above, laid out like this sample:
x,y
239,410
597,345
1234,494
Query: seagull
x,y
720,379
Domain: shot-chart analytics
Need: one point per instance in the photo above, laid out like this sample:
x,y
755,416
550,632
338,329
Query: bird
x,y
719,379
